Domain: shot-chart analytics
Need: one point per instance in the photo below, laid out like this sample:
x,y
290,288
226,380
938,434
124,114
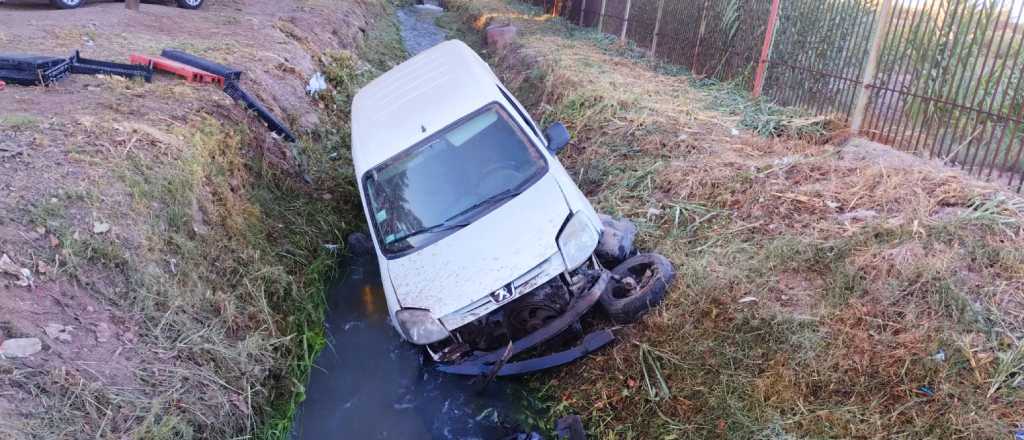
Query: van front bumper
x,y
495,363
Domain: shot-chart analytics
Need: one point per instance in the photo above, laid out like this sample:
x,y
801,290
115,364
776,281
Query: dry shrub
x,y
864,263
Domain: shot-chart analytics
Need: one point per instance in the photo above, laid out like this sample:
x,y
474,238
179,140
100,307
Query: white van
x,y
485,244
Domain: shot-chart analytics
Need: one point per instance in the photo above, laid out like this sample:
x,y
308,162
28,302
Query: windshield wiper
x,y
447,225
490,201
440,227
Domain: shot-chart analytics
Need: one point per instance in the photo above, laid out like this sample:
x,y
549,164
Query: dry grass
x,y
864,263
215,266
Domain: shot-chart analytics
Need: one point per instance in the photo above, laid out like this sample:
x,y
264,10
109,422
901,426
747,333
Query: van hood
x,y
479,259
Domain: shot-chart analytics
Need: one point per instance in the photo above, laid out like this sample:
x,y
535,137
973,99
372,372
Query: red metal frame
x,y
191,74
769,33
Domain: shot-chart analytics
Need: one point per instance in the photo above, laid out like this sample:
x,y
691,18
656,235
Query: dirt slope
x,y
170,239
825,290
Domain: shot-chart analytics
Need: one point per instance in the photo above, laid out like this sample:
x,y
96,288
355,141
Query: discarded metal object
x,y
191,74
85,66
226,72
32,70
275,125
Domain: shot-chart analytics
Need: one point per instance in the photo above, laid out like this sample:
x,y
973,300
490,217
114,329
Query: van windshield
x,y
449,180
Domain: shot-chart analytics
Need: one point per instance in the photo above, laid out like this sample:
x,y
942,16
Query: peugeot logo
x,y
503,294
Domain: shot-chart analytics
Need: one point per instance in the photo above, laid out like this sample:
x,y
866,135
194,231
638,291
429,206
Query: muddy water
x,y
419,31
369,384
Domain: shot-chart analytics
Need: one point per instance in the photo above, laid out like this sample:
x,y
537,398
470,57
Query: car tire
x,y
650,276
66,4
190,4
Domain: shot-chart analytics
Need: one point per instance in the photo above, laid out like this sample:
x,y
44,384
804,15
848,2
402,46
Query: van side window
x,y
521,112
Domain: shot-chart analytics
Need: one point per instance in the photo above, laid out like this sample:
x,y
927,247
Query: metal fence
x,y
942,78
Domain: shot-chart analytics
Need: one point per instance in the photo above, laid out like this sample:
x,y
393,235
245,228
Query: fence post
x,y
625,22
600,18
766,49
583,7
657,24
860,106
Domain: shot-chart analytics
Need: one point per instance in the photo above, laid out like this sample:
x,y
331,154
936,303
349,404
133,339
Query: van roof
x,y
416,99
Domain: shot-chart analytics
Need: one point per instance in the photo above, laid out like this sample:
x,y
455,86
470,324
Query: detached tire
x,y
190,4
66,4
642,283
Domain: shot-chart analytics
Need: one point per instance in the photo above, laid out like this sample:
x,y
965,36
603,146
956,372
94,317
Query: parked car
x,y
72,4
486,246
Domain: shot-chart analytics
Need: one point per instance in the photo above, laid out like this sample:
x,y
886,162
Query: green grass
x,y
19,121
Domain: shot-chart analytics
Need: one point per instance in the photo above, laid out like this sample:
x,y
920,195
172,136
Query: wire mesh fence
x,y
942,78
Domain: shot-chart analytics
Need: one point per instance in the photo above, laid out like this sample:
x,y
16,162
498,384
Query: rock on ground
x,y
20,347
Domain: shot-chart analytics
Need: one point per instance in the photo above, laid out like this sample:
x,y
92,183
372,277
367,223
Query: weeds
x,y
19,121
217,256
841,316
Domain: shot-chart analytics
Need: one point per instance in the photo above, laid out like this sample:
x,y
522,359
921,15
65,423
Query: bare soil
x,y
93,151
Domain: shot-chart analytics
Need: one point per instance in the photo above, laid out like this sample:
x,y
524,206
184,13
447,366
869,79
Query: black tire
x,y
66,4
652,273
190,4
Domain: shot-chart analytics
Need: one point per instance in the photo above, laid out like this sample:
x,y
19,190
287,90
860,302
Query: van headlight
x,y
577,241
420,327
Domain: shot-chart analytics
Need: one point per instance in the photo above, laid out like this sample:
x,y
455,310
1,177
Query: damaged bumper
x,y
495,363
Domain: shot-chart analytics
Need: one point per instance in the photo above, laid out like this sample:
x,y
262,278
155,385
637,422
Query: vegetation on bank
x,y
328,160
824,291
214,251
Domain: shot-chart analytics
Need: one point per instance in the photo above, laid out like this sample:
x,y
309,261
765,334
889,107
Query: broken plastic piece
x,y
86,66
32,70
191,74
228,73
316,84
275,125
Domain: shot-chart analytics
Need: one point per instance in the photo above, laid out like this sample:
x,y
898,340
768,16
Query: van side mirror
x,y
557,136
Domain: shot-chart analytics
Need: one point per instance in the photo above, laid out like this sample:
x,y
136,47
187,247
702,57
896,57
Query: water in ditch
x,y
369,384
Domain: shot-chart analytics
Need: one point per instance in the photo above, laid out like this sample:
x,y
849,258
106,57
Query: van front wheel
x,y
637,285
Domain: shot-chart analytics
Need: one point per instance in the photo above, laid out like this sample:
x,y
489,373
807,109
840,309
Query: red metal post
x,y
769,34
